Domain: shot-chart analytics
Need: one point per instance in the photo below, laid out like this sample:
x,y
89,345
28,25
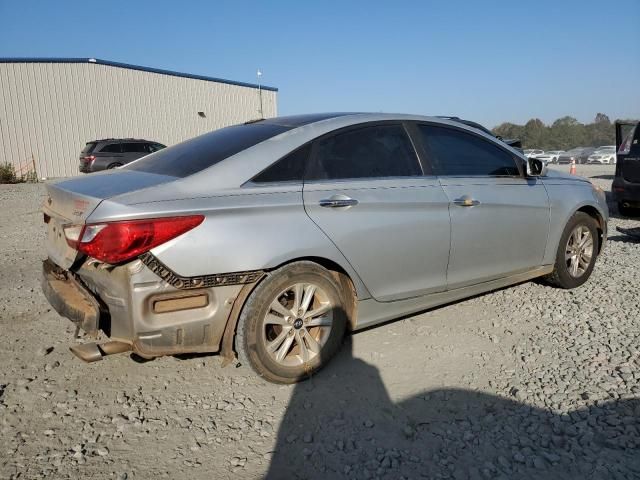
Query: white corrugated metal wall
x,y
48,111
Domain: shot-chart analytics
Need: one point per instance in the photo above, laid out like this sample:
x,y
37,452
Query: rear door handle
x,y
337,201
466,201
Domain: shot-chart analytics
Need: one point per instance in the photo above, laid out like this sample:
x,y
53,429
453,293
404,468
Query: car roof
x,y
297,130
122,140
339,119
294,121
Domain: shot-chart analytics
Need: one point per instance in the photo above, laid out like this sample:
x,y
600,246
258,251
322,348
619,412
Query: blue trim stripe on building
x,y
133,67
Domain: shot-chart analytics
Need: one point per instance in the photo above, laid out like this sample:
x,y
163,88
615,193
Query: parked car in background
x,y
626,182
578,154
180,251
532,153
113,152
550,156
603,155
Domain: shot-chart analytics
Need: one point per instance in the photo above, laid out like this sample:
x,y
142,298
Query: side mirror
x,y
536,167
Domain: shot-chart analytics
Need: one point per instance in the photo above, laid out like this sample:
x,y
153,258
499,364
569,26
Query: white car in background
x,y
603,155
533,153
550,156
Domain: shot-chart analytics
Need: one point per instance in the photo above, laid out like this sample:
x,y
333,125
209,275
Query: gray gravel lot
x,y
525,382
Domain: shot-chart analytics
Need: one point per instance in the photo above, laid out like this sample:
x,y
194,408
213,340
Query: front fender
x,y
565,200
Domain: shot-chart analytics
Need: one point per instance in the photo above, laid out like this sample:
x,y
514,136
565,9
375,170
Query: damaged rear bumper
x,y
69,298
145,309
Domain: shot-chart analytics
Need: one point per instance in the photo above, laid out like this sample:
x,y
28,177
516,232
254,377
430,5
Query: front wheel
x,y
293,323
577,252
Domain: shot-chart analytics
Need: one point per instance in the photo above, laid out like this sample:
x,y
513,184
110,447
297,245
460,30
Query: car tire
x,y
281,345
627,211
114,165
575,260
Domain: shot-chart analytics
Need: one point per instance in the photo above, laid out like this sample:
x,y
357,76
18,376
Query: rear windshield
x,y
88,148
201,152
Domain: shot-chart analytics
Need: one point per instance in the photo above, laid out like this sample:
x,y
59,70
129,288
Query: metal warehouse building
x,y
49,108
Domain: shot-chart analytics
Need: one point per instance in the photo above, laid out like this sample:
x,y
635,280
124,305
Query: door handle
x,y
466,201
337,201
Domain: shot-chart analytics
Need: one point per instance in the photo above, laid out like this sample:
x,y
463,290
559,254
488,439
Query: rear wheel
x,y
627,211
577,252
292,324
114,165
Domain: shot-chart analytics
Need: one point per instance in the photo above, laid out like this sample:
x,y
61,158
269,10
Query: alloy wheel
x,y
579,251
297,324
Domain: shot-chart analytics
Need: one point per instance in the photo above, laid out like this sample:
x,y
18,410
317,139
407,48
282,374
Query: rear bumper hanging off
x,y
69,298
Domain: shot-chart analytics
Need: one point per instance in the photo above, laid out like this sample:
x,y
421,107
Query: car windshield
x,y
202,152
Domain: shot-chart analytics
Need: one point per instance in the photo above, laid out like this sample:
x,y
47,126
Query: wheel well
x,y
595,214
343,278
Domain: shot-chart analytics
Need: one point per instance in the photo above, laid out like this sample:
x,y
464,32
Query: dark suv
x,y
626,183
113,152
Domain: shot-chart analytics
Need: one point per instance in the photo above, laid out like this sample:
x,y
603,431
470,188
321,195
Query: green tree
x,y
563,134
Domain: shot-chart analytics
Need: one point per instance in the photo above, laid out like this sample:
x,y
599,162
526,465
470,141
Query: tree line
x,y
563,134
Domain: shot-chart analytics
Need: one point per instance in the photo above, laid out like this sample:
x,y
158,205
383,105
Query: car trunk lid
x,y
70,202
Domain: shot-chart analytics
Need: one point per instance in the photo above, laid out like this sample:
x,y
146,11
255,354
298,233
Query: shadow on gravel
x,y
343,424
624,239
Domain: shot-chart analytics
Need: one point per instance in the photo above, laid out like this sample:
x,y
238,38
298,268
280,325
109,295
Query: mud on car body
x,y
270,239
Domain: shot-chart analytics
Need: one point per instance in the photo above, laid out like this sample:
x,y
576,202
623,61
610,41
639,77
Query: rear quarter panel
x,y
254,228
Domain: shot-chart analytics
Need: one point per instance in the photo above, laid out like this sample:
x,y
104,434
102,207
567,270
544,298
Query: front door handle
x,y
466,201
337,201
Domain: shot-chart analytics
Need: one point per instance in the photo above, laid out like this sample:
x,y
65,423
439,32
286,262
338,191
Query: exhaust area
x,y
92,352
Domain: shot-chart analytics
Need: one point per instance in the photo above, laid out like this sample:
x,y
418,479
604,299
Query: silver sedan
x,y
269,240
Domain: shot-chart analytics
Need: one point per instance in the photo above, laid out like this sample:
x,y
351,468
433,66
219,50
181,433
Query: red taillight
x,y
89,158
116,242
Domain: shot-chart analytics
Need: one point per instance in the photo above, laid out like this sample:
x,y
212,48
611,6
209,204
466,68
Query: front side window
x,y
111,148
378,151
457,153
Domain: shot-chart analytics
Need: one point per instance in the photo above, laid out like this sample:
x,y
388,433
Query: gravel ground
x,y
525,382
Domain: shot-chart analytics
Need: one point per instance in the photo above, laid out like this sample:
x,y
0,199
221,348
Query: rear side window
x,y
370,152
88,148
204,151
457,153
111,148
288,169
134,147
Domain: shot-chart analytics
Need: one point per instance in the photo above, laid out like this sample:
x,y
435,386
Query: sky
x,y
490,61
